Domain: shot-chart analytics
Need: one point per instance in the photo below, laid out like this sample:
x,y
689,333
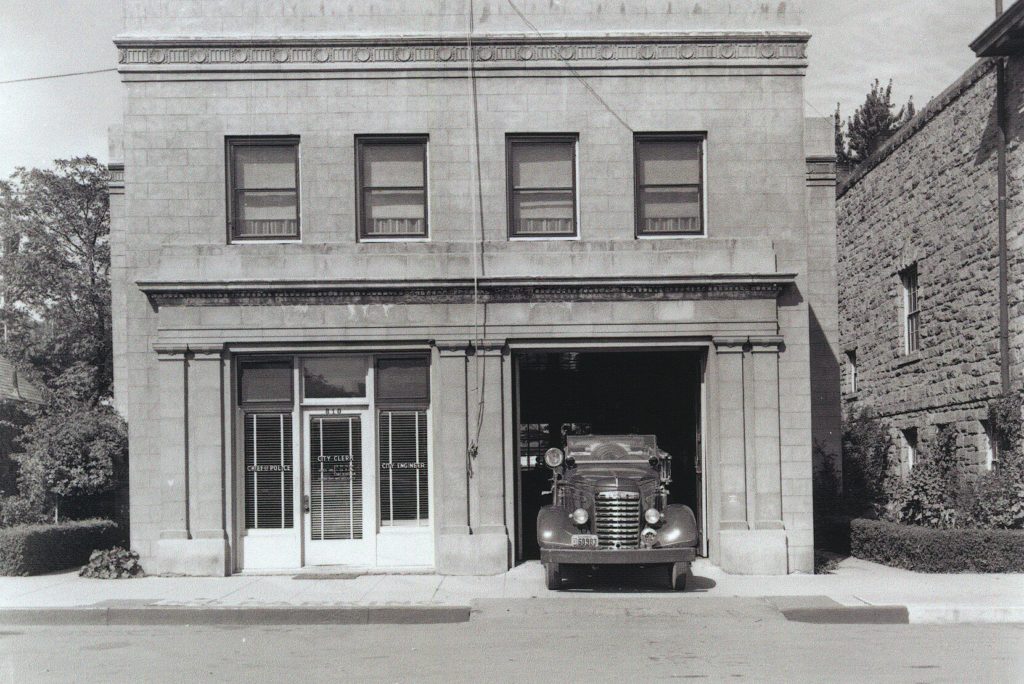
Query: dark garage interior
x,y
642,392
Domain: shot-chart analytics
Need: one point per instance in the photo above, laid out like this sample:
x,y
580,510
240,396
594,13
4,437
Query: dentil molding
x,y
487,51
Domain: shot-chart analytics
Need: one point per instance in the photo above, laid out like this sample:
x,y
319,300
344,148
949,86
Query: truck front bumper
x,y
684,554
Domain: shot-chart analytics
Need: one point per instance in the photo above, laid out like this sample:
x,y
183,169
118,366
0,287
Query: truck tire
x,y
552,576
677,576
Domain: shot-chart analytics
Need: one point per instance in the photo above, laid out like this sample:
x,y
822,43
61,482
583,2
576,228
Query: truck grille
x,y
617,519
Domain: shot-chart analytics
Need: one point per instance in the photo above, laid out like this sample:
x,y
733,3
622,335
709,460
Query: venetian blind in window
x,y
335,478
402,441
268,471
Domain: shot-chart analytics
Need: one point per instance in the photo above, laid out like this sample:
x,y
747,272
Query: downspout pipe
x,y
1004,302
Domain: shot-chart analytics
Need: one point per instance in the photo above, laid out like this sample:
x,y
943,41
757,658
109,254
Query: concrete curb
x,y
850,615
945,615
188,615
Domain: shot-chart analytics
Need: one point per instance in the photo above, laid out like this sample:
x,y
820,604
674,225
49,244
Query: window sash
x,y
240,228
404,468
519,194
372,227
269,480
647,225
912,311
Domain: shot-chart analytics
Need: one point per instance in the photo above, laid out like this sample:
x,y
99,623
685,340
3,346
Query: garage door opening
x,y
565,393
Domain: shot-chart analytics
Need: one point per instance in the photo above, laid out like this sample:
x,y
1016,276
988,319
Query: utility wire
x,y
573,70
44,78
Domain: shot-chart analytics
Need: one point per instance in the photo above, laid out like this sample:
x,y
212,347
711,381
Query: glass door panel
x,y
340,497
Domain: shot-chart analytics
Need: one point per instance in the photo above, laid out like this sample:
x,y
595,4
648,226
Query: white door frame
x,y
355,552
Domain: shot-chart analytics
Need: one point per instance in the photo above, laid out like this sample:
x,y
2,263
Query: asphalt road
x,y
526,641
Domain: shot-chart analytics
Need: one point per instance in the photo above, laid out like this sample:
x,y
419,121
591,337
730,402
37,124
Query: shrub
x,y
927,550
1004,415
867,449
35,549
17,510
996,501
929,494
115,563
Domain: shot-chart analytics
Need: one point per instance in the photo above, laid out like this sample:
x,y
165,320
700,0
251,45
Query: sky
x,y
921,44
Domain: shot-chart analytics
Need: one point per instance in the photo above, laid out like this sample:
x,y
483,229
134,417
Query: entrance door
x,y
339,488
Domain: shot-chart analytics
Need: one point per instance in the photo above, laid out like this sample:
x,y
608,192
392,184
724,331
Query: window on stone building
x,y
909,448
669,178
541,185
391,178
990,446
911,310
263,193
851,371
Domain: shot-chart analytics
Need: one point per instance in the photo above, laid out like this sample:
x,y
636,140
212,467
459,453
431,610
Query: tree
x,y
842,147
80,454
875,121
54,270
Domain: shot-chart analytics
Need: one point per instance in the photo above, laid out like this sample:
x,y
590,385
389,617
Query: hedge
x,y
929,550
35,549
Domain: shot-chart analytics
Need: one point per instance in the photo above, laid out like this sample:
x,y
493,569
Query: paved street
x,y
531,640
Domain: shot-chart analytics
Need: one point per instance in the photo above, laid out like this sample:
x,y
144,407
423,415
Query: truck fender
x,y
679,527
554,526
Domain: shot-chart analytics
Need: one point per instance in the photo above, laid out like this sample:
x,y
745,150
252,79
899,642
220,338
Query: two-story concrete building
x,y
372,257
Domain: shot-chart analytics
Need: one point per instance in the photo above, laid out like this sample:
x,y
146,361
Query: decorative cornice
x,y
488,291
488,51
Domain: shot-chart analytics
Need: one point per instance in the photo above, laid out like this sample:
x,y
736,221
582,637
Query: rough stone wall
x,y
931,201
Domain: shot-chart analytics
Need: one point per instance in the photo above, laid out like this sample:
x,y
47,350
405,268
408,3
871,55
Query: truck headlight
x,y
653,516
553,457
580,516
648,537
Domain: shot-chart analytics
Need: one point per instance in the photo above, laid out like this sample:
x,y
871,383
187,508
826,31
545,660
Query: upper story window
x,y
541,185
263,193
911,310
669,184
391,182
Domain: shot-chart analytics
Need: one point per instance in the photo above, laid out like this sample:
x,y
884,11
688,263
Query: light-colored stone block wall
x,y
295,17
174,227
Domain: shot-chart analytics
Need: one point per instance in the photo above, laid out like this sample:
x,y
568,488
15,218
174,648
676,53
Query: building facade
x,y
931,266
372,257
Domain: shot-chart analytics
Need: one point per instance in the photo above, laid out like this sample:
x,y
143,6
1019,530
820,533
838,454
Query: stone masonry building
x,y
372,257
931,268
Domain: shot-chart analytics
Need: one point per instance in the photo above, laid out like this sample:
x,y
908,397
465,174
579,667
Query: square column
x,y
467,401
206,438
732,447
192,538
751,534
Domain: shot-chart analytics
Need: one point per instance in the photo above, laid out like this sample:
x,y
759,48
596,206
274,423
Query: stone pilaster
x,y
468,409
732,447
751,534
206,439
192,538
764,363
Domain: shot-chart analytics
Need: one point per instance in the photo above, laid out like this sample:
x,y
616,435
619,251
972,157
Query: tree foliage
x,y
80,454
874,122
55,266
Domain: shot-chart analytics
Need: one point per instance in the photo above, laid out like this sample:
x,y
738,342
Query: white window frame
x,y
910,284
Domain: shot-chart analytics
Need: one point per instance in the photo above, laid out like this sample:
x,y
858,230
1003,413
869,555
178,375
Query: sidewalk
x,y
436,598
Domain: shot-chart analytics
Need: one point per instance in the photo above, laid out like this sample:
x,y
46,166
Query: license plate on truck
x,y
584,541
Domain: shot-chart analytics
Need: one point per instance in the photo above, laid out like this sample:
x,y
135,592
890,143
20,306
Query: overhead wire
x,y
51,76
